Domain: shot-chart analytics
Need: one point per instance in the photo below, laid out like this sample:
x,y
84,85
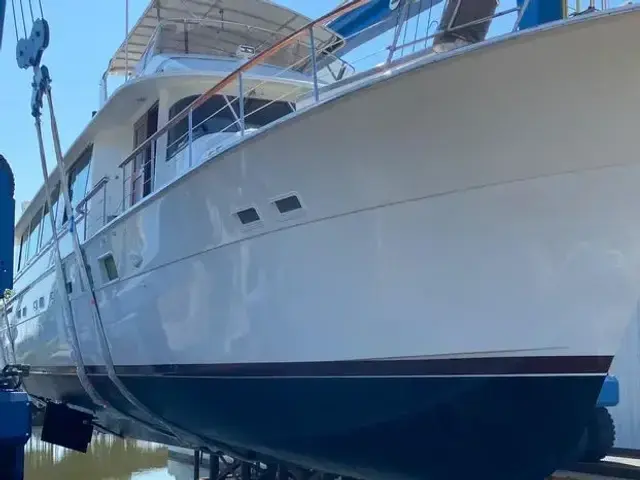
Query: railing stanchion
x,y
312,46
104,205
124,187
521,13
241,103
190,138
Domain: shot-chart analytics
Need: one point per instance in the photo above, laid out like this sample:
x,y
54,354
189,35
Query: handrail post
x,y
523,10
241,103
124,188
104,204
190,138
244,66
312,46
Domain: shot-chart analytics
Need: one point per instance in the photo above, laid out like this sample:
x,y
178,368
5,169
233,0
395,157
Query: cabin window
x,y
215,116
109,268
22,250
24,256
16,257
58,208
46,222
222,120
259,112
79,178
34,235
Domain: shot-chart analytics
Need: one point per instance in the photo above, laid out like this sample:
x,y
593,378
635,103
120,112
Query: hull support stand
x,y
15,422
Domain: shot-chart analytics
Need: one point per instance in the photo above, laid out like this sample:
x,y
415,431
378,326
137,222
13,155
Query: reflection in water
x,y
108,458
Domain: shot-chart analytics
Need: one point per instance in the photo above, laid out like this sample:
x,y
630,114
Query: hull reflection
x,y
107,458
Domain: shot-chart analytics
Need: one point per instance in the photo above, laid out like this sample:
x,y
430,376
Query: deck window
x,y
215,116
34,235
79,179
46,223
23,250
259,112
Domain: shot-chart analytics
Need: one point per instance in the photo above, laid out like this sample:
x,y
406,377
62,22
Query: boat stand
x,y
62,425
224,467
15,422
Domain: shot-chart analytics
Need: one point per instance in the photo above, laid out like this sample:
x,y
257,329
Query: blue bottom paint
x,y
502,427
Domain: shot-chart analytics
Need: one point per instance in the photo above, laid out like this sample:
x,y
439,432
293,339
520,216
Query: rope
x,y
31,10
24,24
41,11
406,28
15,20
415,35
426,39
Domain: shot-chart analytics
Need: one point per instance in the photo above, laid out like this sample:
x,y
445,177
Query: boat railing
x,y
417,36
339,68
237,87
92,211
578,7
183,44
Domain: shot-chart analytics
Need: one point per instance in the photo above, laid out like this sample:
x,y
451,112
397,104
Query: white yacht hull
x,y
492,212
460,273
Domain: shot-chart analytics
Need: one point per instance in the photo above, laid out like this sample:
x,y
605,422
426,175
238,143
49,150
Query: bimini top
x,y
222,24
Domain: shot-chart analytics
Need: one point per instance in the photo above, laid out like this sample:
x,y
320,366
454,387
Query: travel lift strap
x,y
28,55
3,9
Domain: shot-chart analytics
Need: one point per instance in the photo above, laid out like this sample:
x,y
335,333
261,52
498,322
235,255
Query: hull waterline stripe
x,y
482,366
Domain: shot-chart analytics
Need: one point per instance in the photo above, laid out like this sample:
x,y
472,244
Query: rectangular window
x,y
46,222
18,248
79,178
59,208
109,268
34,234
24,254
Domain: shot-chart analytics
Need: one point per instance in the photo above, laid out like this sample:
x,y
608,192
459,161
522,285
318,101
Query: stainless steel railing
x,y
236,78
239,86
91,222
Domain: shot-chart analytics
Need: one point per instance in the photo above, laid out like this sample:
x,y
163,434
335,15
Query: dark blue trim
x,y
416,366
456,427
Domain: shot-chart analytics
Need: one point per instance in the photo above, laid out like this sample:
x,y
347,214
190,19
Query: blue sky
x,y
84,36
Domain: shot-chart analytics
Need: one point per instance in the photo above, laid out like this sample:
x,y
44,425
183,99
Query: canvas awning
x,y
270,23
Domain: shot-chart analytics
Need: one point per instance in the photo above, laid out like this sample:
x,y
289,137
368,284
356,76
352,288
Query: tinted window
x,y
34,235
59,208
23,250
79,178
46,223
211,117
215,116
259,112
